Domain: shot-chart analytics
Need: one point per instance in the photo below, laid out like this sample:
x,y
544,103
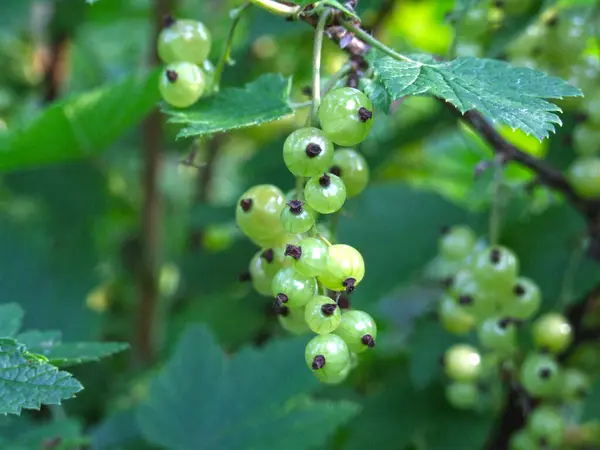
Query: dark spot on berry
x,y
504,323
168,21
293,250
313,150
318,362
465,300
343,302
268,255
553,21
364,114
171,76
283,311
445,229
495,256
296,206
325,180
307,90
349,284
580,117
368,340
281,298
336,170
545,373
328,309
519,289
246,204
447,282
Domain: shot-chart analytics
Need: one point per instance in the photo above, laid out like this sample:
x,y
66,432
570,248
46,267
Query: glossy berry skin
x,y
454,317
352,168
297,217
524,300
325,193
345,268
523,440
310,257
261,280
335,378
469,293
462,363
322,314
474,22
358,330
346,116
552,332
584,175
586,139
209,75
258,214
575,385
184,40
457,243
540,375
293,321
328,354
293,289
498,334
307,152
181,84
462,395
545,422
495,267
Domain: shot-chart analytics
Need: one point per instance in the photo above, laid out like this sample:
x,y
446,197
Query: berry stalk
x,y
316,65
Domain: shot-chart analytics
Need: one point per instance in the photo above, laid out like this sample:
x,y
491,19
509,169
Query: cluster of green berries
x,y
486,296
184,46
297,266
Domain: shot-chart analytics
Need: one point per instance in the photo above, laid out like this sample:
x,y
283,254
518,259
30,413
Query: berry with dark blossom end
x,y
547,425
540,375
310,257
553,332
297,217
345,268
297,288
328,353
258,275
182,84
307,152
322,315
455,318
352,168
318,362
358,330
258,215
325,194
525,300
293,250
495,267
498,334
457,242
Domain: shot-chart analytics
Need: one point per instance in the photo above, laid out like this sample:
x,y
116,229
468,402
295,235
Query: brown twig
x,y
56,66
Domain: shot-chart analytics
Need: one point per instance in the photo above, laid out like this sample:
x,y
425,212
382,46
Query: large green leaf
x,y
501,92
21,434
81,126
591,407
73,353
261,101
26,382
11,317
203,399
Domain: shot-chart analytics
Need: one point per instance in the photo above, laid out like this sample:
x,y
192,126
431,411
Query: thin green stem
x,y
316,65
300,105
372,41
333,80
236,15
277,8
495,215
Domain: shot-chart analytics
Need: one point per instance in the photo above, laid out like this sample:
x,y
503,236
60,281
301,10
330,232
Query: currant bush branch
x,y
316,65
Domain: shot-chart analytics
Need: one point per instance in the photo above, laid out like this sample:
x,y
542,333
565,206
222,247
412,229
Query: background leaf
x,y
11,317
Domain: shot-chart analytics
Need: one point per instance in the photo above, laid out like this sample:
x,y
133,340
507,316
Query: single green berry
x,y
476,300
307,152
310,256
258,214
322,314
474,23
292,320
457,243
547,425
552,332
495,267
462,363
498,334
184,40
525,299
454,317
326,193
358,330
345,269
586,139
540,375
327,353
346,116
352,168
575,384
292,289
181,84
584,175
298,217
261,280
462,395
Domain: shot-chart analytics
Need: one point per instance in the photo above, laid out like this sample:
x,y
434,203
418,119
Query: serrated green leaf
x,y
64,434
11,317
27,383
71,354
38,341
261,101
201,396
512,95
81,126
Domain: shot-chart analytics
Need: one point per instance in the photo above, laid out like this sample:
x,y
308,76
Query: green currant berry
x,y
575,384
310,256
462,395
523,440
181,84
184,40
566,38
495,267
345,269
462,362
525,299
346,116
352,168
292,289
258,214
454,317
358,330
307,152
547,424
586,139
333,378
217,237
591,105
297,217
584,175
322,314
540,375
457,243
474,23
552,332
326,194
292,320
328,353
475,299
498,334
261,280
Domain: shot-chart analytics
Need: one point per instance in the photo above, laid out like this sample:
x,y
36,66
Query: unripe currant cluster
x,y
184,46
486,295
308,277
